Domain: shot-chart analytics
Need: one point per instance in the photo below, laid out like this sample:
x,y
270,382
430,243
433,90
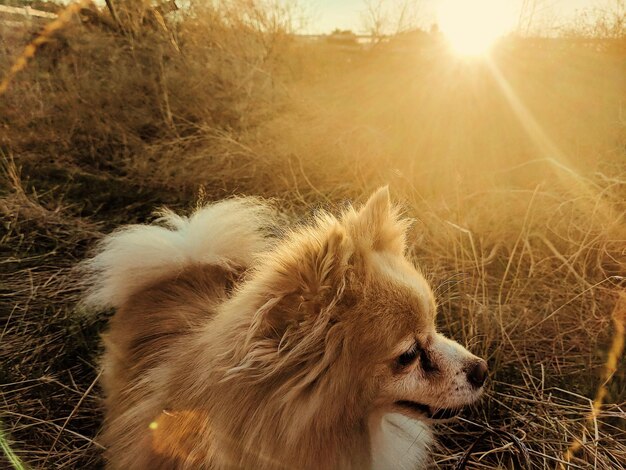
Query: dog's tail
x,y
229,233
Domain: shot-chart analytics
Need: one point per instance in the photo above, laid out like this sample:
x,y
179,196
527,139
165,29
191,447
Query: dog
x,y
231,348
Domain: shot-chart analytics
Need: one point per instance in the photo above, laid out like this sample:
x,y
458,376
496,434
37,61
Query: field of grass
x,y
513,168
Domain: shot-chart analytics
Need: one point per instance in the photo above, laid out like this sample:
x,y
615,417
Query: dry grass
x,y
515,172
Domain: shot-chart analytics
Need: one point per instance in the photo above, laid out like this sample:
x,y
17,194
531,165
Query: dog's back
x,y
165,283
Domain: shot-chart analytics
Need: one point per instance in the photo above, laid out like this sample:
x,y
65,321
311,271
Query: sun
x,y
473,27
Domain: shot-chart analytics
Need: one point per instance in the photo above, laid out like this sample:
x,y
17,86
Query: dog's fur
x,y
228,350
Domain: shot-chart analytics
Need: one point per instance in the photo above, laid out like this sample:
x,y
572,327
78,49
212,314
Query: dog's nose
x,y
477,373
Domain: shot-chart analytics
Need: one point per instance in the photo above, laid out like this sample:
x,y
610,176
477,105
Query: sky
x,y
326,15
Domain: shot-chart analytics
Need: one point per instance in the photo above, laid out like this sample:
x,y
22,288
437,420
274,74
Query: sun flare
x,y
472,28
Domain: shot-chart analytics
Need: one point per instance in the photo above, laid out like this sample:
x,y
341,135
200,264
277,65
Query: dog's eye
x,y
425,361
409,356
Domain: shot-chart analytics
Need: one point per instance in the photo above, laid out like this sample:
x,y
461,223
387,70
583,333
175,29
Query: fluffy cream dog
x,y
229,350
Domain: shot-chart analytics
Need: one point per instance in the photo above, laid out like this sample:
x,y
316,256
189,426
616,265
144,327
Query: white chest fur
x,y
400,443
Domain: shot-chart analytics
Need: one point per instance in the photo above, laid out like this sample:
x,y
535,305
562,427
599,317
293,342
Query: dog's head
x,y
347,323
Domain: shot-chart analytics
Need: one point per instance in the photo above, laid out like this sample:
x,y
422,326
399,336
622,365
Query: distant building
x,y
342,37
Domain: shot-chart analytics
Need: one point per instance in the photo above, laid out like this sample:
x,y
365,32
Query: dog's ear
x,y
318,265
308,275
377,225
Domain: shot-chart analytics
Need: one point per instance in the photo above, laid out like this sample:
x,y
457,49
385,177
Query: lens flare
x,y
472,28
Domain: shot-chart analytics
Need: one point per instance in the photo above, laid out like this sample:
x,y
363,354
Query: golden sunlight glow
x,y
473,27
